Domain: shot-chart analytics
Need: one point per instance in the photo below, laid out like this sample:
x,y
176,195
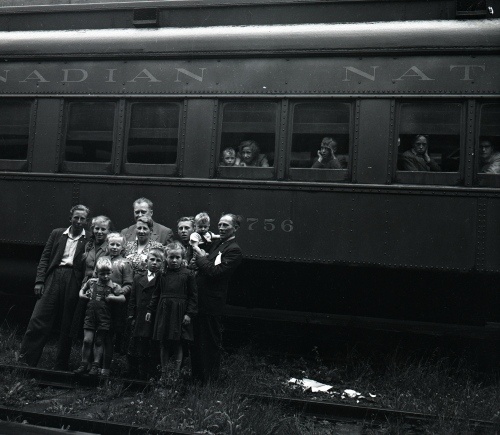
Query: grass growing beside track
x,y
435,384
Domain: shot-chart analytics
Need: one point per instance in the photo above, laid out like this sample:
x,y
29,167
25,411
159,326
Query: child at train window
x,y
175,301
100,292
326,155
229,158
139,351
202,237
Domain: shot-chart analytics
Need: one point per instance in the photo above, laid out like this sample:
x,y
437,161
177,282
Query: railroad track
x,y
353,415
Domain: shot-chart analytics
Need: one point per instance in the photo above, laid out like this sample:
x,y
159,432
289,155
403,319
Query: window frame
x,y
23,165
88,167
248,173
482,179
315,174
431,178
153,169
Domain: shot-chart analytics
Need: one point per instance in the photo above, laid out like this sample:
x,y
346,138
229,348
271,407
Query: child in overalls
x,y
100,291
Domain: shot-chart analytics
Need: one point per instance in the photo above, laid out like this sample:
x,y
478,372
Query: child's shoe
x,y
94,371
105,373
81,370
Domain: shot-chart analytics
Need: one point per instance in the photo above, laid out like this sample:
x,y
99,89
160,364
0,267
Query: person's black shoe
x,y
81,370
94,371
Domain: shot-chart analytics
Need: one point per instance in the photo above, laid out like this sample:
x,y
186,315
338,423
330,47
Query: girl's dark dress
x,y
174,296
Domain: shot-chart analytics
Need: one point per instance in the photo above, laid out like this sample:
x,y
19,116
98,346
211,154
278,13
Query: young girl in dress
x,y
175,300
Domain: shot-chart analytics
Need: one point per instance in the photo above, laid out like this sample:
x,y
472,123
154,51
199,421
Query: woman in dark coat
x,y
215,269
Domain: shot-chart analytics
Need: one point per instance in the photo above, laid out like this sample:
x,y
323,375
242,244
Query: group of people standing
x,y
133,290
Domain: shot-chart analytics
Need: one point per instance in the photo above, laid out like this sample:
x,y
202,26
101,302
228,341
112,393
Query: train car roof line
x,y
379,36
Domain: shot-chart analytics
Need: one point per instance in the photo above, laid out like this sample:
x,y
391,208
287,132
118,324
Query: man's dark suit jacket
x,y
213,280
53,253
159,234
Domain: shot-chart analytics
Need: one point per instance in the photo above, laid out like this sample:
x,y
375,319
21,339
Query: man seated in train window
x,y
249,155
326,156
417,158
228,158
489,157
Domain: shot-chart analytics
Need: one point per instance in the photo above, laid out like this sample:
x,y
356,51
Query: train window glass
x,y
320,140
90,130
248,132
429,142
14,129
153,133
488,145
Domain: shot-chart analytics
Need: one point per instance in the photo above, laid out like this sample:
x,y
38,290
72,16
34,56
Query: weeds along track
x,y
78,388
345,412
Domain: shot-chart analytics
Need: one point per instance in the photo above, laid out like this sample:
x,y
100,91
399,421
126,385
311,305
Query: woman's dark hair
x,y
148,220
250,144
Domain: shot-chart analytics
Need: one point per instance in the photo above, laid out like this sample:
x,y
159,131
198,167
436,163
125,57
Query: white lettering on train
x,y
37,75
467,70
111,76
418,73
360,73
190,74
79,75
147,75
83,77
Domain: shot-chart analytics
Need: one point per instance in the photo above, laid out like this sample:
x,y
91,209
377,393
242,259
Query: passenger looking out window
x,y
249,153
326,155
489,157
430,140
320,138
228,157
417,158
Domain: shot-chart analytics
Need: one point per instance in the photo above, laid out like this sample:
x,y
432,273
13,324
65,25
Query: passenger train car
x,y
102,104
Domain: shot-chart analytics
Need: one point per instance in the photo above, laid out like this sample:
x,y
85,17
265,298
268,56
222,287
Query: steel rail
x,y
313,408
83,424
69,380
334,411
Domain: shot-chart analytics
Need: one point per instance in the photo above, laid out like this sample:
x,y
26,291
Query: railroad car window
x,y
14,129
320,141
153,133
429,142
248,133
89,135
488,145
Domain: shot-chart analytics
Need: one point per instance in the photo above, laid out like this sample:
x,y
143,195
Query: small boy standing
x,y
139,356
100,291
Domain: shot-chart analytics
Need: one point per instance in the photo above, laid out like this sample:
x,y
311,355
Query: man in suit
x,y
58,280
161,234
215,269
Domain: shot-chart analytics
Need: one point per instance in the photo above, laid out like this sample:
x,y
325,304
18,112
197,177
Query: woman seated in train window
x,y
489,157
326,155
228,158
249,154
417,158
